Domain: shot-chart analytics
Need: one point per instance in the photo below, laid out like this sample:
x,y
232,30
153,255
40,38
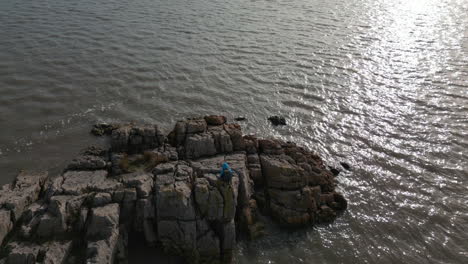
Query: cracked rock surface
x,y
167,189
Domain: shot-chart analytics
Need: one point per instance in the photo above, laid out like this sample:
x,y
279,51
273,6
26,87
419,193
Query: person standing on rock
x,y
226,173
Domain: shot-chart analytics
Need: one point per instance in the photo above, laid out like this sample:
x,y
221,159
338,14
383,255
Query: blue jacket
x,y
225,167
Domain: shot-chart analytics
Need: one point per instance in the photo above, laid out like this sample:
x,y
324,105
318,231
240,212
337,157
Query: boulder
x,y
215,120
277,120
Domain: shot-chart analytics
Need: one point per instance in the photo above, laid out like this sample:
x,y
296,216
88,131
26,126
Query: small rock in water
x,y
240,118
345,165
277,120
334,171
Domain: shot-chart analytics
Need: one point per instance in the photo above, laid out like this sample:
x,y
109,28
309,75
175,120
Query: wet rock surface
x,y
167,189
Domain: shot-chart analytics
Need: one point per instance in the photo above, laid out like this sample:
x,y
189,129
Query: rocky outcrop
x,y
168,190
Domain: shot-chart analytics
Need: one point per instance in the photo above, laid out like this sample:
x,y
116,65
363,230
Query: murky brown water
x,y
381,84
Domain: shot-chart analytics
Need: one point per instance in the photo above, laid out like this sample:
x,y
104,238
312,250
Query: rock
x,y
31,253
133,139
22,253
79,182
103,223
5,224
277,120
169,193
199,145
345,166
87,162
281,174
235,132
102,129
103,251
57,252
222,139
175,201
334,171
326,214
208,244
340,202
270,146
209,200
251,144
228,240
178,237
177,136
143,182
215,120
145,215
102,199
25,190
240,118
196,126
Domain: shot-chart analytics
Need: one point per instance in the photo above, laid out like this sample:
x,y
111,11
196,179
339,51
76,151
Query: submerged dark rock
x,y
165,188
277,120
346,166
335,172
